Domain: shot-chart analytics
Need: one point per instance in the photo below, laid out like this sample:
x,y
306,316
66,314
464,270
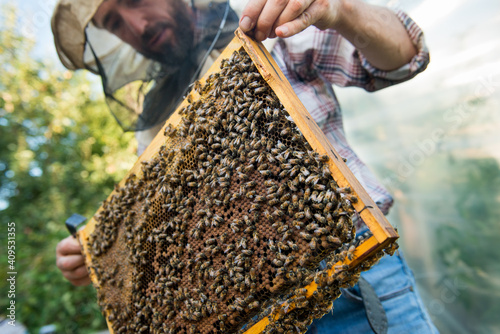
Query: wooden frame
x,y
383,233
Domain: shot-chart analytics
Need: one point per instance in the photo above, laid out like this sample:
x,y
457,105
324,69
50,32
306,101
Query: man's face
x,y
159,29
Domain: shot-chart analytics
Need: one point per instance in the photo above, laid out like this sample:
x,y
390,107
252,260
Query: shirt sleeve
x,y
381,78
314,53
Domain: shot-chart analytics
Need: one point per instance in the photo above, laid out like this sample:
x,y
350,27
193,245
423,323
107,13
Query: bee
x,y
249,168
278,213
259,113
234,228
313,244
229,248
235,196
277,263
323,158
223,238
251,194
271,195
306,236
298,224
271,245
318,206
328,207
320,218
319,186
282,246
260,90
169,131
261,263
312,179
253,305
282,228
247,252
299,215
292,186
284,205
211,241
312,227
270,183
271,126
242,243
256,238
289,260
266,173
293,245
268,215
320,231
259,198
294,171
216,250
270,157
350,252
242,176
307,194
219,289
273,201
352,198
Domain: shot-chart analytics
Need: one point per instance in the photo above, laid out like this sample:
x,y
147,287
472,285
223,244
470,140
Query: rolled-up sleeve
x,y
381,78
327,54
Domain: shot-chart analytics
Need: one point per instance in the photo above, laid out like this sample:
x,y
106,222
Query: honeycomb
x,y
228,223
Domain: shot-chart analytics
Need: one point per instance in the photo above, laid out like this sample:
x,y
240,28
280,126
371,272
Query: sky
x,y
34,18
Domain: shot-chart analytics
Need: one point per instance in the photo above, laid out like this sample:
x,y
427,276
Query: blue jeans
x,y
394,284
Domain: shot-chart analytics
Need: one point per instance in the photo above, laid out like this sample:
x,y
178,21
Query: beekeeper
x,y
148,52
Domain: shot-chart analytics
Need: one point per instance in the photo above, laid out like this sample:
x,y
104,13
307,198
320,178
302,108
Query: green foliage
x,y
61,152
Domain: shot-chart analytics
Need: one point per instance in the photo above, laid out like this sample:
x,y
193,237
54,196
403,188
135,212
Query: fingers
x,y
71,262
68,246
305,19
284,18
251,14
261,17
77,275
293,10
268,17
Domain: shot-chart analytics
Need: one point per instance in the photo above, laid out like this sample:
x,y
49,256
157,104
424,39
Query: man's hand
x,y
375,31
285,18
70,261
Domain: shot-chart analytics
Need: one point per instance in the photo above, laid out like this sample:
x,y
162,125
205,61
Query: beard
x,y
176,50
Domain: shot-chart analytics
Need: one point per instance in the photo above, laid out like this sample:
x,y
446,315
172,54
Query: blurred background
x,y
433,141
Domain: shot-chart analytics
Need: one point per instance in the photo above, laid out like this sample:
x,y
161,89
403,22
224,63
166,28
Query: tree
x,y
60,152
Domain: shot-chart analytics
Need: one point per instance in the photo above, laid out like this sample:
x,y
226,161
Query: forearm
x,y
376,32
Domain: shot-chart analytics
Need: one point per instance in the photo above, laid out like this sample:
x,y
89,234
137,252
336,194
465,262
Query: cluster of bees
x,y
229,220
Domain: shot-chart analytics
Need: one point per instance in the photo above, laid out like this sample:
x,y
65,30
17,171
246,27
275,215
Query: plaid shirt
x,y
313,60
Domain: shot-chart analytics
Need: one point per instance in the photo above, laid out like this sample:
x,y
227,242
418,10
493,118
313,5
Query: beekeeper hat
x,y
73,29
81,45
139,91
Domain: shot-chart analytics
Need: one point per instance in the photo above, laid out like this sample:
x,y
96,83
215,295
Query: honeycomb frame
x,y
383,234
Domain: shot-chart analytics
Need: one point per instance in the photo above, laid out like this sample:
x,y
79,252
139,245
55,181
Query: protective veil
x,y
143,92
